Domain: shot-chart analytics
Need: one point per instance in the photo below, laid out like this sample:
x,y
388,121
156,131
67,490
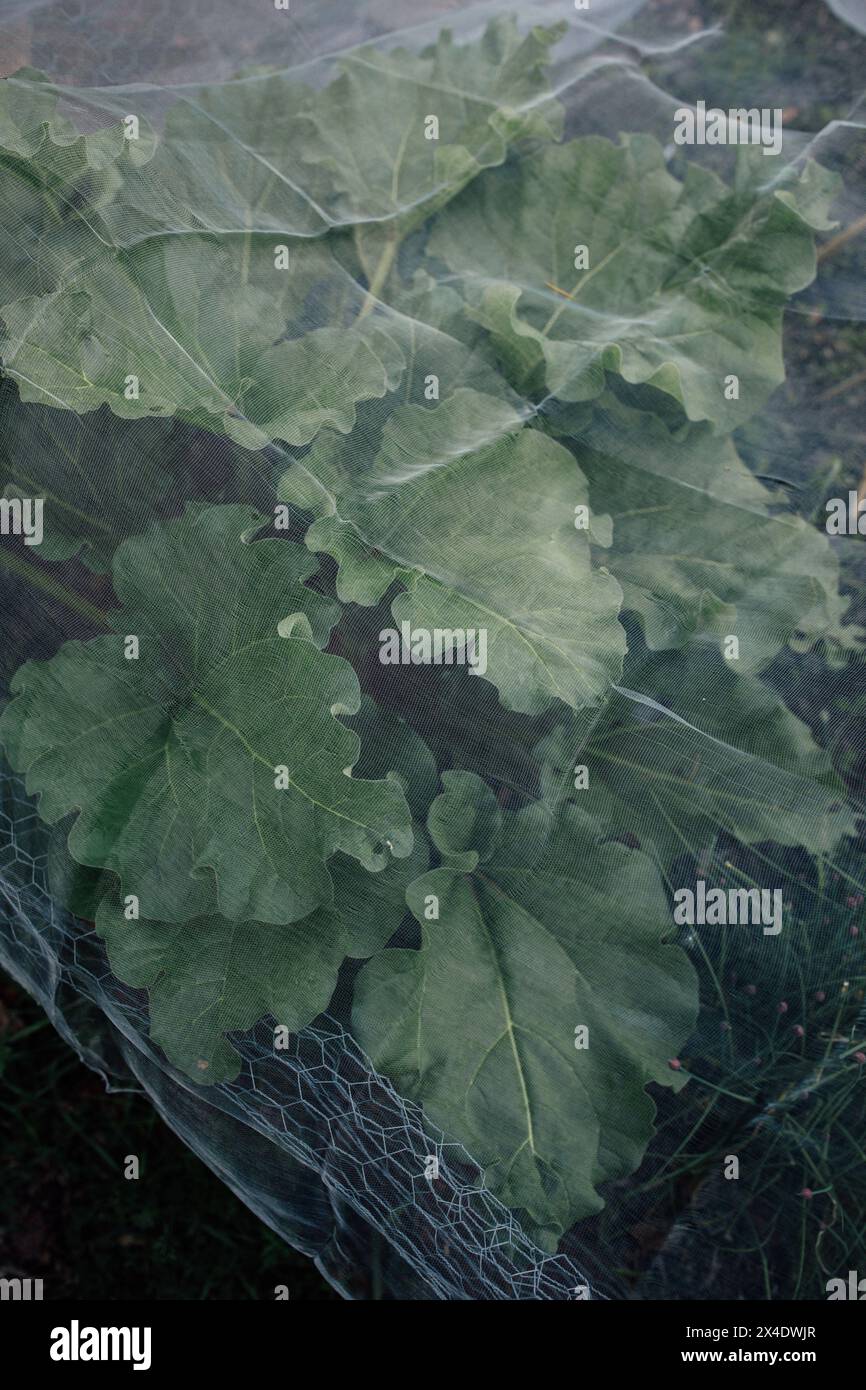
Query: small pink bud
x,y
807,1193
675,1064
860,1058
799,1031
782,1006
855,931
820,996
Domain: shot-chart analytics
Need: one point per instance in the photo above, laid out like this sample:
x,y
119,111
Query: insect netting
x,y
433,696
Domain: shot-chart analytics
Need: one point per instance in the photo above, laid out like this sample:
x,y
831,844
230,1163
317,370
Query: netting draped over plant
x,y
432,598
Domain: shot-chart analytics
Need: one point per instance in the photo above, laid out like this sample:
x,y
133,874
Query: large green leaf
x,y
475,515
543,926
688,748
171,759
685,283
127,280
211,976
699,546
129,303
267,153
387,176
54,183
31,124
190,327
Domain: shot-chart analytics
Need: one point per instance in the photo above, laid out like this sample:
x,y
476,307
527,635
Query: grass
x,y
777,1082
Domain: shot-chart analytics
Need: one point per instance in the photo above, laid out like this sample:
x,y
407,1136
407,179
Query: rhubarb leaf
x,y
685,282
187,264
534,927
189,327
476,517
686,749
212,760
373,157
210,976
700,546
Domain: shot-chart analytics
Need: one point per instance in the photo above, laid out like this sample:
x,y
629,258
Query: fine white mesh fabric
x,y
327,1151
